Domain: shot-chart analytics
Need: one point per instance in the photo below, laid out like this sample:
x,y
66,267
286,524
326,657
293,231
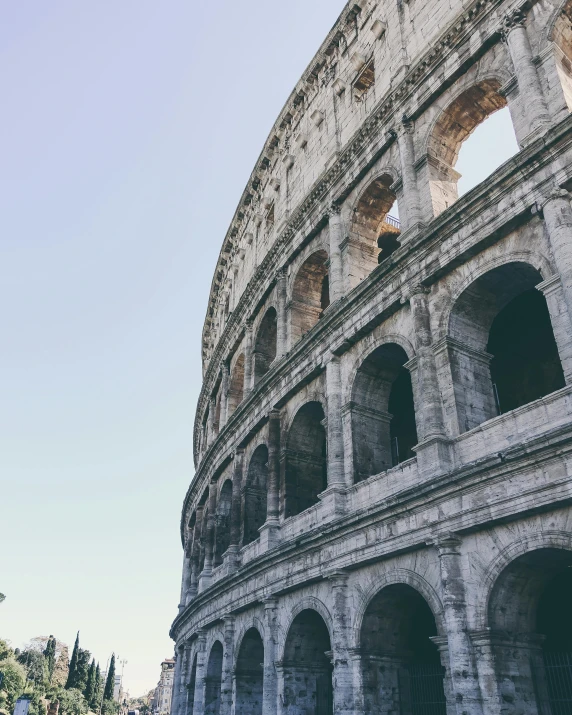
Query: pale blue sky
x,y
129,128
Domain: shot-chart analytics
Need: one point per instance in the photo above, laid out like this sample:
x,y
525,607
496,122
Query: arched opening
x,y
265,345
203,504
503,353
249,674
222,526
192,687
213,680
255,494
531,629
236,386
310,295
306,466
562,39
375,229
455,125
308,667
382,411
401,666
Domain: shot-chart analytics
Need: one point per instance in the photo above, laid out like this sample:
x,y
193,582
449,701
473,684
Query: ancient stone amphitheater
x,y
380,519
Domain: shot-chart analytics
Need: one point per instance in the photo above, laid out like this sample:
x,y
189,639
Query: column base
x,y
269,535
333,501
412,231
534,135
230,560
205,579
434,457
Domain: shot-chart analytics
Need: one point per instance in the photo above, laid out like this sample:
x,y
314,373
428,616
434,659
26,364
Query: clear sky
x,y
129,129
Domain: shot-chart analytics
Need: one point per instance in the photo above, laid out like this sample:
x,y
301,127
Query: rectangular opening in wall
x,y
365,80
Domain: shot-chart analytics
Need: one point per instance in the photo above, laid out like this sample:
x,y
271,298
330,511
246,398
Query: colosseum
x,y
380,518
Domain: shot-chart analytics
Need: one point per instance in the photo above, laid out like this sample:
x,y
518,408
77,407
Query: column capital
x,y
511,21
556,192
412,290
248,324
282,273
270,602
338,578
448,543
229,620
274,414
333,210
405,125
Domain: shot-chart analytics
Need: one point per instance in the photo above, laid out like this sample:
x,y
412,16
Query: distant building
x,y
161,703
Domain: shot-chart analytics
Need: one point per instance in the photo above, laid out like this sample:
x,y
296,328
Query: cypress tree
x,y
96,690
89,691
110,682
72,675
50,656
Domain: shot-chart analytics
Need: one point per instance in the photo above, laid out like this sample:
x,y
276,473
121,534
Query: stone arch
x,y
213,679
222,525
311,603
249,673
307,664
453,125
248,624
305,474
255,493
265,345
400,662
383,420
374,234
192,685
236,385
501,345
310,294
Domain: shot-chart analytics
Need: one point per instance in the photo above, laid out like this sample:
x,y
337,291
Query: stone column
x,y
200,682
227,667
270,682
270,531
558,219
281,313
177,677
410,213
231,556
530,89
464,677
205,577
195,555
210,423
225,381
561,324
185,680
343,675
336,237
186,580
488,680
248,358
433,450
335,452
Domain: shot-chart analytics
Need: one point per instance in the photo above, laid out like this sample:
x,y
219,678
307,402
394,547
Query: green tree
x,y
50,656
71,701
35,664
5,650
82,669
97,694
89,691
110,682
73,674
13,683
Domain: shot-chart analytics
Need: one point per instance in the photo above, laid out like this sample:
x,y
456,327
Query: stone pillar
x,y
205,577
464,678
196,554
530,89
558,219
336,237
200,682
177,677
210,423
561,323
185,680
433,450
248,358
270,686
336,476
343,675
186,580
488,680
225,381
231,556
281,313
270,531
410,213
227,667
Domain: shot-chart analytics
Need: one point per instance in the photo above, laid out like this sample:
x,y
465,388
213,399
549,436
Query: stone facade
x,y
380,520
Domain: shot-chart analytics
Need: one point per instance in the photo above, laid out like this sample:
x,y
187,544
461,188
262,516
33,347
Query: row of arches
x,y
403,658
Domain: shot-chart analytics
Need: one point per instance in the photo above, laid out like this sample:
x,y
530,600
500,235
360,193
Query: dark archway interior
x,y
525,364
192,687
401,666
255,494
249,674
213,680
501,313
306,464
203,503
373,226
265,345
383,412
310,295
222,527
530,606
307,666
